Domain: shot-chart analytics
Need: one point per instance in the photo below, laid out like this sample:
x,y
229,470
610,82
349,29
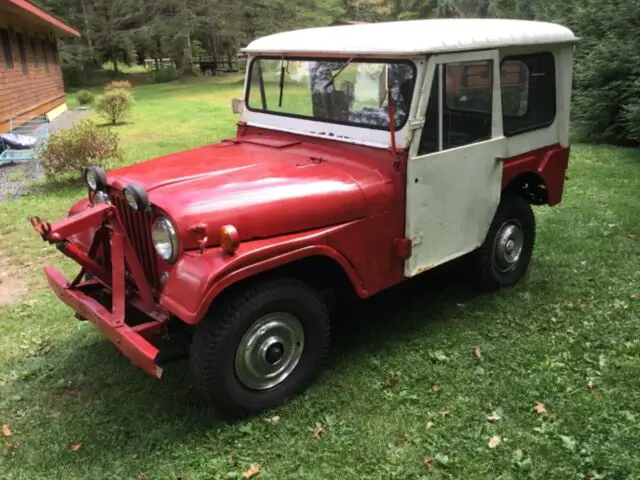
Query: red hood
x,y
264,189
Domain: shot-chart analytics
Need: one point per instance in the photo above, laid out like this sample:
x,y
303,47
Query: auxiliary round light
x,y
165,240
136,197
229,239
95,178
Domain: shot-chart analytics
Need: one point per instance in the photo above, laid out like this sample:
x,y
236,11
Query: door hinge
x,y
402,247
416,124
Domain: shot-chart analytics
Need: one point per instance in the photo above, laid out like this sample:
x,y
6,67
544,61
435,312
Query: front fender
x,y
199,277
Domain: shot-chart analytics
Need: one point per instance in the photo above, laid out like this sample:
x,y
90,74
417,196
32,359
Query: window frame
x,y
410,63
22,51
540,126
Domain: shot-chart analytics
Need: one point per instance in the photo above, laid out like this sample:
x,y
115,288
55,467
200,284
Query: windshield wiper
x,y
333,77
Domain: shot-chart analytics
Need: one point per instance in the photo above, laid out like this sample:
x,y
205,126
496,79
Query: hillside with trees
x,y
606,105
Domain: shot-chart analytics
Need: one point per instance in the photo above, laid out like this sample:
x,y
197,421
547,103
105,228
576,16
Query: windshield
x,y
336,91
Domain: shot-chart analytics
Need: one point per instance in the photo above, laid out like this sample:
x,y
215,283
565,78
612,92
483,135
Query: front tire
x,y
506,253
263,345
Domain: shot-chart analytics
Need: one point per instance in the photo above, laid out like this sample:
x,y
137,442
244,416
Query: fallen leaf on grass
x,y
477,353
318,431
429,425
252,471
591,385
273,420
435,387
428,462
540,408
11,447
494,441
631,236
74,447
493,418
445,413
6,431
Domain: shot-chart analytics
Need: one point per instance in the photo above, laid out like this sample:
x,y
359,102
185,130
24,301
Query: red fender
x,y
198,278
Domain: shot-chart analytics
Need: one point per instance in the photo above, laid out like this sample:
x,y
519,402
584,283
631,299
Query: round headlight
x,y
95,178
136,197
165,240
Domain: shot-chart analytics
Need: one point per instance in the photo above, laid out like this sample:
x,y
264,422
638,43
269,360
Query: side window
x,y
23,52
43,45
466,89
6,48
34,52
528,92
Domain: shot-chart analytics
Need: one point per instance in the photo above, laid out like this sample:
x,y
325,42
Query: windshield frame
x,y
346,60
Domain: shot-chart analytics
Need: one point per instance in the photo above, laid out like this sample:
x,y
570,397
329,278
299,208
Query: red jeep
x,y
366,154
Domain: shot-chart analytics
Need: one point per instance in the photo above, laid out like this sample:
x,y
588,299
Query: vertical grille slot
x,y
138,228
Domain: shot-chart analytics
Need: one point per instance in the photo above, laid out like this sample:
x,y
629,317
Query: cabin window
x,y
6,48
459,107
23,53
34,51
43,45
528,92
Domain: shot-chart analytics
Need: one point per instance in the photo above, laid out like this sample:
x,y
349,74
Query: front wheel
x,y
262,346
504,257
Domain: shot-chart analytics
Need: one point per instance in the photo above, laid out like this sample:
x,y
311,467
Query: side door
x,y
454,173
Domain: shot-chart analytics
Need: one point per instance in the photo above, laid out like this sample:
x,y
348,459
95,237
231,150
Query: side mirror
x,y
236,105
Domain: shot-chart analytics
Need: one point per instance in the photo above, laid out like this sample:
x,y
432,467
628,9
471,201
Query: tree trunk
x,y
187,58
89,34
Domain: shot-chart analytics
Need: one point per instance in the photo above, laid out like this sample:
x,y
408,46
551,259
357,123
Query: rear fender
x,y
199,277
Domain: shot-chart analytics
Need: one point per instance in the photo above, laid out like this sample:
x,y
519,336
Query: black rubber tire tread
x,y
510,207
215,339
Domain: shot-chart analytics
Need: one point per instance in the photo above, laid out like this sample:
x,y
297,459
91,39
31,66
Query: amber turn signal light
x,y
229,239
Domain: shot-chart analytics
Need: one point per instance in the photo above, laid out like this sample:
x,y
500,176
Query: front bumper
x,y
129,340
118,299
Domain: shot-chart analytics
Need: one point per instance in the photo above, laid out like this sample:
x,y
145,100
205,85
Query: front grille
x,y
138,228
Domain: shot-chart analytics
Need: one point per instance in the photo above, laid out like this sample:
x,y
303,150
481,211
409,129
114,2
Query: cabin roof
x,y
412,37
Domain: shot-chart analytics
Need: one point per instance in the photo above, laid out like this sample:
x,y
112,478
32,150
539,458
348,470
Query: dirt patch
x,y
13,288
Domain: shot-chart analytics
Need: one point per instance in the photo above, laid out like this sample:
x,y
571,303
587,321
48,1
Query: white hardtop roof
x,y
412,37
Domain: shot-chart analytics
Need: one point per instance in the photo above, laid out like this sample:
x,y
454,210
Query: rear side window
x,y
23,53
6,48
528,84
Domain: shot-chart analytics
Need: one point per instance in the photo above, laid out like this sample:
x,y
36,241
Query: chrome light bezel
x,y
167,227
100,196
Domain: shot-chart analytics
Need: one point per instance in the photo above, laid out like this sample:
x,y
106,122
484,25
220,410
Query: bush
x,y
165,74
118,85
114,105
72,150
84,97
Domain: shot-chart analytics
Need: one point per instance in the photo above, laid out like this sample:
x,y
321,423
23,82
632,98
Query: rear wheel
x,y
504,257
262,346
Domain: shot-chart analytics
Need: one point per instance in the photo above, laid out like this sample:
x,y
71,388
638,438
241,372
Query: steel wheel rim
x,y
508,246
269,351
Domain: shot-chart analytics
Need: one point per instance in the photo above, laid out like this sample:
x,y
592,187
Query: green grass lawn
x,y
403,396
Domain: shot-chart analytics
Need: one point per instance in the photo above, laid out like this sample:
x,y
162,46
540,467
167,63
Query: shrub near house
x,y
70,151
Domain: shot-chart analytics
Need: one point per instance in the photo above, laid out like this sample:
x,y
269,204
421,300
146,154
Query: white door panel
x,y
452,194
447,213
